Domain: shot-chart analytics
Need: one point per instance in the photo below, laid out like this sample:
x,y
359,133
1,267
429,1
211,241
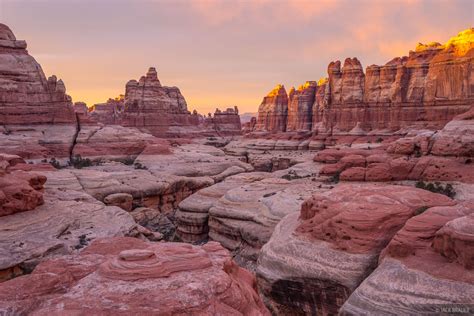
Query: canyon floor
x,y
253,227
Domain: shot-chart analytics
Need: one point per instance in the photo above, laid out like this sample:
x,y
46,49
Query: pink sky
x,y
220,53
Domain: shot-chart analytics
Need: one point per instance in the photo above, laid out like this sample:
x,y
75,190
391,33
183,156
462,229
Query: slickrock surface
x,y
242,211
248,207
316,259
243,220
20,191
273,111
161,191
195,160
74,213
159,181
193,214
269,156
36,115
115,142
457,137
428,263
426,89
136,277
67,221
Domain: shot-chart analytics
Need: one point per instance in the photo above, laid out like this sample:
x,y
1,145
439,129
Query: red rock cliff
x,y
425,89
273,111
32,107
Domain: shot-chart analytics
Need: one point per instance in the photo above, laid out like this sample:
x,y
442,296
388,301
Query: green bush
x,y
437,187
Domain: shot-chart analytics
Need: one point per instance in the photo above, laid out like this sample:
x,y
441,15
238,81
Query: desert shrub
x,y
138,165
53,162
128,161
379,140
292,175
437,187
334,178
78,162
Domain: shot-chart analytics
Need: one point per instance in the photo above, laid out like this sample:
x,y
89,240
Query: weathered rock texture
x,y
193,214
108,112
83,204
224,122
36,114
445,155
427,88
242,211
20,191
137,278
428,264
115,142
68,220
300,107
313,263
154,108
273,111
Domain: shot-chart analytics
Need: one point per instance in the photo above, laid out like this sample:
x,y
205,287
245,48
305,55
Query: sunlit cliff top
x,y
276,90
322,81
460,43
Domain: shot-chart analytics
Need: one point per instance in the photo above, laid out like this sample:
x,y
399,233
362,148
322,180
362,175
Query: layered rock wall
x,y
162,111
425,89
154,108
300,107
225,122
273,111
31,105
